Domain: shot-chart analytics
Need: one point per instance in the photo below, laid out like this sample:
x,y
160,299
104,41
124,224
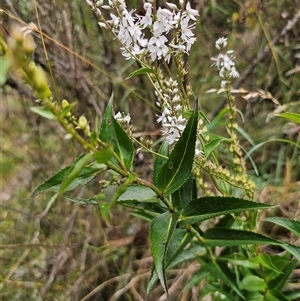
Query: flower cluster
x,y
130,28
173,123
225,63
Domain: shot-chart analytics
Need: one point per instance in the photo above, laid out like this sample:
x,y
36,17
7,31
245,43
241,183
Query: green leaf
x,y
152,281
286,267
292,225
253,283
178,167
85,175
148,209
105,154
161,231
186,193
230,237
112,133
94,200
217,119
209,207
160,160
290,115
241,260
75,169
214,144
138,193
221,271
140,71
275,295
44,112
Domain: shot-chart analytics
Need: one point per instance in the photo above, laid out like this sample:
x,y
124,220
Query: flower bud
x,y
16,33
40,79
82,122
28,44
64,103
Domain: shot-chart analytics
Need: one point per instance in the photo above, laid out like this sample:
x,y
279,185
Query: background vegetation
x,y
71,254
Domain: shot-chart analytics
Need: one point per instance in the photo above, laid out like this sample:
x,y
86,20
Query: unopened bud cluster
x,y
169,100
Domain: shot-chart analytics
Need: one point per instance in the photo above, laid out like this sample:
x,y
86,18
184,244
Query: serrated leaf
x,y
140,71
44,112
292,225
230,237
160,160
295,117
152,281
176,253
84,176
209,207
161,231
112,133
178,167
180,239
138,193
187,193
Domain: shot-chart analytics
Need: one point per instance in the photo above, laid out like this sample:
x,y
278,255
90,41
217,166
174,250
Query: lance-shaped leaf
x,y
179,240
209,207
86,174
140,71
112,133
293,226
161,231
187,193
178,167
160,160
213,144
138,193
231,237
291,116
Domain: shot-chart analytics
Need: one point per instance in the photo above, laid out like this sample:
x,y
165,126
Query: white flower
x,y
191,13
147,19
121,118
221,43
225,63
158,52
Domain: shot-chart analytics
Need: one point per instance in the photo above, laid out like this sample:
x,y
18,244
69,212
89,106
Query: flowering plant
x,y
189,186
